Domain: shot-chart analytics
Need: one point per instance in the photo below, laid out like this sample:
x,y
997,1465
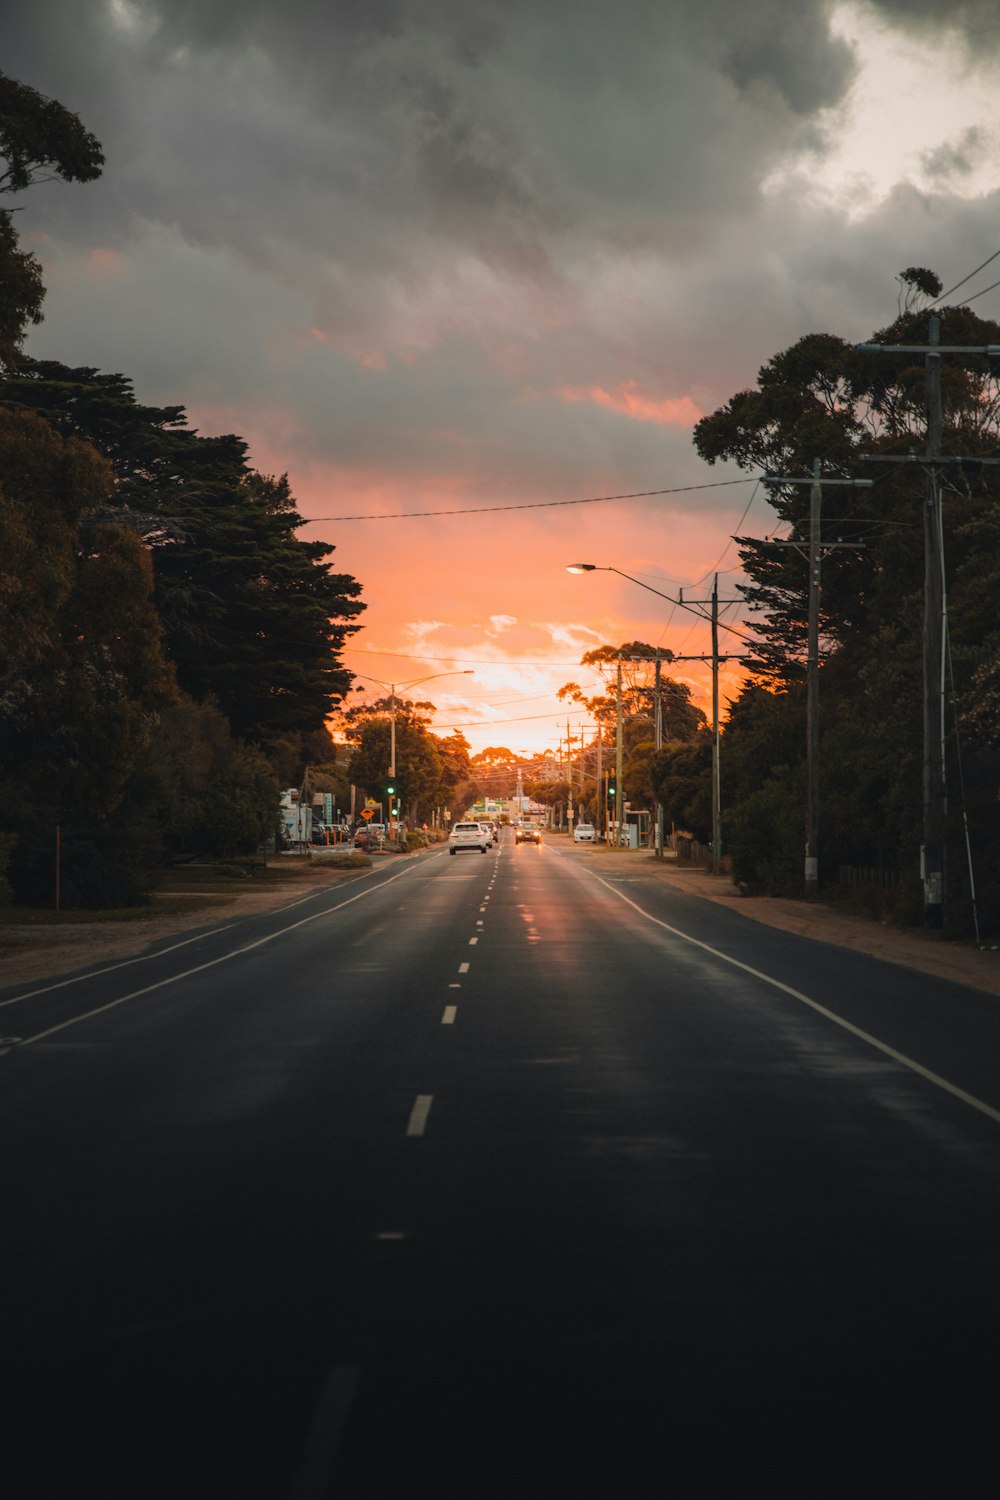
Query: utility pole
x,y
932,854
714,601
619,789
658,741
569,778
815,556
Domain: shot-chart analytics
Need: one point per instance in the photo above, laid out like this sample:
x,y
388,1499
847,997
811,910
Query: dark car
x,y
527,835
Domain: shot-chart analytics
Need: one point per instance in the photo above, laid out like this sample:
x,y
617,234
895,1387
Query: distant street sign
x,y
367,812
370,802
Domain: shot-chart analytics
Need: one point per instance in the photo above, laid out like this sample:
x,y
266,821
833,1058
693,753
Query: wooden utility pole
x,y
815,561
658,740
933,655
714,601
619,789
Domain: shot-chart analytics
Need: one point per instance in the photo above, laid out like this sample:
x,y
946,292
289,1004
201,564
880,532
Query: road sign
x,y
367,812
370,802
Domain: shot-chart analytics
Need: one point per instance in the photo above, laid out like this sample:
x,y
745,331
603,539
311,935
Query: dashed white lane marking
x,y
479,922
463,968
786,989
418,1114
454,986
473,942
450,1012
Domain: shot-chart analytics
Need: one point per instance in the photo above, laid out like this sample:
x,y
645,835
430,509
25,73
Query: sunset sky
x,y
470,255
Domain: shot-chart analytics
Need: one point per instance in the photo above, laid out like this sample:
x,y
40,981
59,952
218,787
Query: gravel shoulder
x,y
962,962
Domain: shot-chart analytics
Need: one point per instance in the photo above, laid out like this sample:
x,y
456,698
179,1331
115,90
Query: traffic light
x,y
612,787
391,789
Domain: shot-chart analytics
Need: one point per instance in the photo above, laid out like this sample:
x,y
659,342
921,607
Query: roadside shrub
x,y
341,859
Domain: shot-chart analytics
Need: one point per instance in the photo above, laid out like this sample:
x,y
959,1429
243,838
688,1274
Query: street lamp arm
x,y
680,603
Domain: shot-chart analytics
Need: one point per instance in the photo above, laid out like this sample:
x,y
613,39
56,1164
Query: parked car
x,y
527,835
468,836
368,835
584,833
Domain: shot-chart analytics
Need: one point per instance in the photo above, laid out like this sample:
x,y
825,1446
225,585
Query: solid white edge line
x,y
212,963
141,958
417,1123
786,989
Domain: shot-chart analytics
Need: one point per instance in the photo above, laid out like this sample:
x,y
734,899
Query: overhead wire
x,y
964,279
482,510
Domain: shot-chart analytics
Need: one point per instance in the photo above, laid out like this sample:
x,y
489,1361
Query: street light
x,y
714,620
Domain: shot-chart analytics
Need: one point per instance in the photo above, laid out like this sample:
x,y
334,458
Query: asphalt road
x,y
504,1175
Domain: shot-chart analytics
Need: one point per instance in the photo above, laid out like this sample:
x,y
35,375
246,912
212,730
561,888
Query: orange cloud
x,y
626,399
105,262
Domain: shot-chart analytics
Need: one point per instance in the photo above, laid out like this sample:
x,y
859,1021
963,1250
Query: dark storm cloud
x,y
976,22
413,225
955,158
354,127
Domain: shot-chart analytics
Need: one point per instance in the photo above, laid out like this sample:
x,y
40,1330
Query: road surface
x,y
503,1175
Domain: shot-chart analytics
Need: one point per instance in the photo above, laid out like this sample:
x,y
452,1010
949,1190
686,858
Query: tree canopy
x,y
39,140
825,398
253,616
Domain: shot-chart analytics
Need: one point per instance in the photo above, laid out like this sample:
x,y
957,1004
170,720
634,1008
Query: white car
x,y
584,833
488,832
468,836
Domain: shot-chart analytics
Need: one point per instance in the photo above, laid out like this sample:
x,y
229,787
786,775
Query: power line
x,y
475,661
739,523
965,279
482,510
983,292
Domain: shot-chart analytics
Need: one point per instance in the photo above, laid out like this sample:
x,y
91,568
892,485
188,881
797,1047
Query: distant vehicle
x,y
367,835
527,835
488,830
468,836
584,833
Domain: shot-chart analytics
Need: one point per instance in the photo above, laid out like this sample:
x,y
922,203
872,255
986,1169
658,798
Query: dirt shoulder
x,y
46,946
962,962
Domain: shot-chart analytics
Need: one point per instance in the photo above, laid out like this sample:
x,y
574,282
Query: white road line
x,y
450,1012
463,968
786,989
143,958
125,963
418,1114
473,942
212,962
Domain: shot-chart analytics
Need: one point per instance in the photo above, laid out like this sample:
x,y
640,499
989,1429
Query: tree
x,y
39,140
253,616
418,765
681,719
82,675
823,398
